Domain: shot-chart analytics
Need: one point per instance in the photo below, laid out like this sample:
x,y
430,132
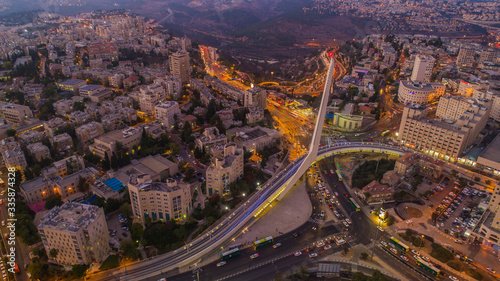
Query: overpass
x,y
247,212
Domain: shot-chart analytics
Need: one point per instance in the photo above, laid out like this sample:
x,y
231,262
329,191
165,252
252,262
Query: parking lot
x,y
461,210
117,230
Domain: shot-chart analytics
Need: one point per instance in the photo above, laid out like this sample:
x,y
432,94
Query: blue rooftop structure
x,y
90,200
114,184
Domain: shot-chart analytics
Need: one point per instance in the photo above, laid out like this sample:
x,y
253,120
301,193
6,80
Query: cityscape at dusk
x,y
264,140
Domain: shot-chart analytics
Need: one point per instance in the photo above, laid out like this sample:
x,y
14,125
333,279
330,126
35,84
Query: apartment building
x,y
465,57
63,107
108,143
255,97
180,66
8,144
171,84
444,140
53,125
87,132
225,170
254,115
467,89
14,158
453,107
419,93
112,121
160,201
494,97
150,96
165,113
78,118
77,231
71,85
422,68
252,139
38,151
51,183
488,230
488,55
15,114
209,138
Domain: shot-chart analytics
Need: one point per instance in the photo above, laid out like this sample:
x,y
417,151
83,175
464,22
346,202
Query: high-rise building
x,y
489,55
225,170
493,96
444,140
453,107
160,201
78,232
165,113
255,97
465,57
422,69
489,230
180,66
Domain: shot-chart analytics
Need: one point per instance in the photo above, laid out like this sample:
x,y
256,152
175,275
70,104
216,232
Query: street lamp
x,y
421,243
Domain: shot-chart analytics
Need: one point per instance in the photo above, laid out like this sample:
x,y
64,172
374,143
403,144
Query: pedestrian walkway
x,y
284,216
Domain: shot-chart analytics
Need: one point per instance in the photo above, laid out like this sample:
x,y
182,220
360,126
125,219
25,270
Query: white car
x,y
327,247
221,263
453,278
254,256
297,253
320,244
312,255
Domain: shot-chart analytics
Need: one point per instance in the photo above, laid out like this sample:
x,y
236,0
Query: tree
x,y
80,106
79,270
363,256
53,253
454,173
137,231
11,132
52,202
38,270
174,147
129,250
125,210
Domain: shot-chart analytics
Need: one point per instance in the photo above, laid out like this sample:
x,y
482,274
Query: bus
x,y
339,175
398,244
354,204
385,133
263,241
235,246
230,253
428,267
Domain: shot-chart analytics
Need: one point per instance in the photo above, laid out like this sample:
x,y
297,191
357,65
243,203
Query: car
x,y
348,221
453,278
314,227
405,258
380,228
383,243
276,245
298,253
491,270
162,279
256,255
327,247
320,244
416,257
322,213
312,255
345,223
394,251
414,252
425,258
221,263
295,234
3,223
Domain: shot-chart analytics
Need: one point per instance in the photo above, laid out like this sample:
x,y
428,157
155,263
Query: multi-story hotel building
x,y
159,200
180,66
444,140
419,93
225,170
77,231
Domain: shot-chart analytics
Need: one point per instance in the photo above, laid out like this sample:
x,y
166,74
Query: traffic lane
x,y
404,269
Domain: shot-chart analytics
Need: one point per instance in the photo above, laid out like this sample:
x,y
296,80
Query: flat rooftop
x,y
492,151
